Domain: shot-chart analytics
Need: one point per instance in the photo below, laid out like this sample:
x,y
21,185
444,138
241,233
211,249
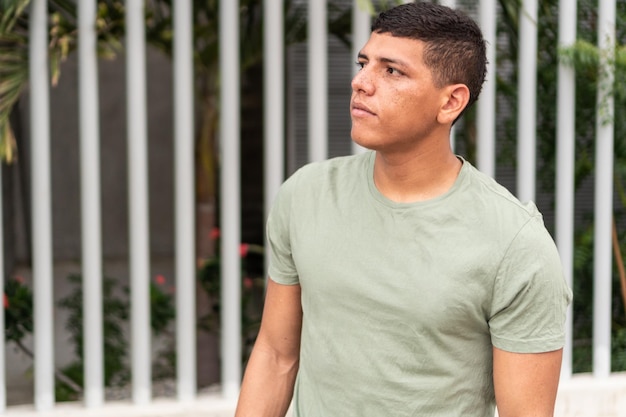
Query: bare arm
x,y
526,383
271,372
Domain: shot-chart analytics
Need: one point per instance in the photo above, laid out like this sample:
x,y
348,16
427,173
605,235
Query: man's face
x,y
394,100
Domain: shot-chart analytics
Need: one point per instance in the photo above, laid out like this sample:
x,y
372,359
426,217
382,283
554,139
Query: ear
x,y
455,99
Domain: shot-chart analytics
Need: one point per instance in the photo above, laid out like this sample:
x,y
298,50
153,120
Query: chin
x,y
364,140
368,145
359,141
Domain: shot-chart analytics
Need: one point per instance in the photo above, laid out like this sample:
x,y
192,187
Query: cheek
x,y
403,99
406,109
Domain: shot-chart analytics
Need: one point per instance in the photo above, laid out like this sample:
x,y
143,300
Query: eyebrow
x,y
385,60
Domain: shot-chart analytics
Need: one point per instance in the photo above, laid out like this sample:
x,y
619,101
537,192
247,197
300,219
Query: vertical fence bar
x,y
486,110
361,22
41,193
3,381
603,215
527,102
230,203
90,205
318,81
184,192
274,101
138,202
566,144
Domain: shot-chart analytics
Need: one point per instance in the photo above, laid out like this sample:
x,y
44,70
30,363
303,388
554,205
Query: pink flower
x,y
243,250
6,301
215,233
248,283
159,279
20,279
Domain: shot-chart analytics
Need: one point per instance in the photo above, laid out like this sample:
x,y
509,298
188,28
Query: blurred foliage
x,y
116,307
18,310
252,293
116,314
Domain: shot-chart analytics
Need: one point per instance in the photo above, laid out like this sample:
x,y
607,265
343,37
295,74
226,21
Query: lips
x,y
359,109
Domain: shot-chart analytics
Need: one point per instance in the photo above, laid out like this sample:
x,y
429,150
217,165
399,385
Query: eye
x,y
360,64
393,71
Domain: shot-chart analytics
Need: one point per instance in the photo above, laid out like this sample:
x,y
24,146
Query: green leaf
x,y
11,11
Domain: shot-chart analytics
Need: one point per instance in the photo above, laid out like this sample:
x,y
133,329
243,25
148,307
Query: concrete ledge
x,y
586,396
581,396
209,405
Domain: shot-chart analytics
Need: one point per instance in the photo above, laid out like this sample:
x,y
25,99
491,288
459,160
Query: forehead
x,y
386,47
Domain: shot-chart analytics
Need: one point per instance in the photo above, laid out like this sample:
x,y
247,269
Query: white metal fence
x,y
274,108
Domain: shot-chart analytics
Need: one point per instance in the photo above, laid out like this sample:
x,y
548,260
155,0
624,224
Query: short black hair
x,y
454,49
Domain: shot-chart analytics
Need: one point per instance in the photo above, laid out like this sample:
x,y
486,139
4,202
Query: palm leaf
x,y
13,69
11,10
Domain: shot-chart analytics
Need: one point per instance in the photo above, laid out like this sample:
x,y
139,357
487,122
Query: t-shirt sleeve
x,y
530,295
282,268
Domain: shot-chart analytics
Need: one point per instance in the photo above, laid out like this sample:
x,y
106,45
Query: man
x,y
403,282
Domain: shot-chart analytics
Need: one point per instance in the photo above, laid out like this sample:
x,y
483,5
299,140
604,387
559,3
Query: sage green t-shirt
x,y
402,303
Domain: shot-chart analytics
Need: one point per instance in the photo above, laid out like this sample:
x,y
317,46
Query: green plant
x,y
18,321
18,311
252,291
14,20
18,302
116,308
115,345
162,314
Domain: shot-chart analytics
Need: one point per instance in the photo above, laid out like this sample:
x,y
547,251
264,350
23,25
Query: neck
x,y
420,175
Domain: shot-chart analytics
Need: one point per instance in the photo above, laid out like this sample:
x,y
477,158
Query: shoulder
x,y
318,183
498,220
489,188
497,201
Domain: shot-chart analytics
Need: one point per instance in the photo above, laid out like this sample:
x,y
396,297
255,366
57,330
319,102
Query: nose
x,y
362,82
